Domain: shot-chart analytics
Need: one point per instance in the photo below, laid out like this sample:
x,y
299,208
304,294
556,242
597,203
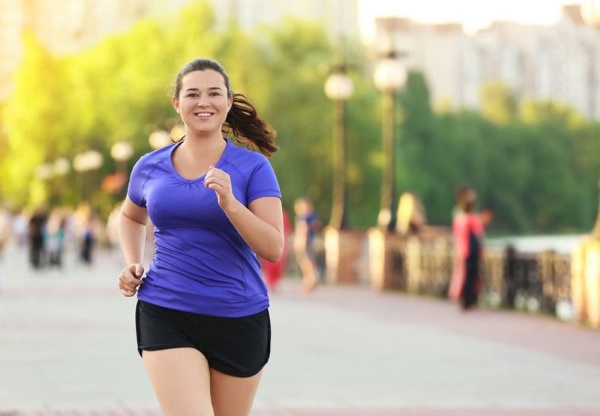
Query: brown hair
x,y
242,120
466,198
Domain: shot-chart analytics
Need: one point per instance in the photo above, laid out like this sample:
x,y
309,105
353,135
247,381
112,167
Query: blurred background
x,y
383,109
503,96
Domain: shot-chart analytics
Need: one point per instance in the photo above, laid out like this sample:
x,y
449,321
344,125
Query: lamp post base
x,y
585,281
343,255
385,259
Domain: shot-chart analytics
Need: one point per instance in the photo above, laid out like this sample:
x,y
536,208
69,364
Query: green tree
x,y
191,34
498,104
295,55
364,151
535,166
419,147
33,120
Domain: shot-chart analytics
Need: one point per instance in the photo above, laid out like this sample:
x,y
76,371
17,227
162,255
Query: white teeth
x,y
203,114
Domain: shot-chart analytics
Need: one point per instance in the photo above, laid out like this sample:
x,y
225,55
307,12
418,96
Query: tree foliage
x,y
535,165
33,122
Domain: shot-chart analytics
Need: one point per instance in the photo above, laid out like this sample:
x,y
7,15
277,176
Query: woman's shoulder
x,y
242,156
155,156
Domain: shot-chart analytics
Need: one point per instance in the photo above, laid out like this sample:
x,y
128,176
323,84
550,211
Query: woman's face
x,y
203,102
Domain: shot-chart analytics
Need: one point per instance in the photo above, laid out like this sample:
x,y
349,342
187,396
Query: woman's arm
x,y
260,225
132,238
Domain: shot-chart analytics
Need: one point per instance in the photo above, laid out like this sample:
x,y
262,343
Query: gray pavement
x,y
67,347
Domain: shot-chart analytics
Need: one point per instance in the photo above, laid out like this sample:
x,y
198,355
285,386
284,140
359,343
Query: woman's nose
x,y
202,102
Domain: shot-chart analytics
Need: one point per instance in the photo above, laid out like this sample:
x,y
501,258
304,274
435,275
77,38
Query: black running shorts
x,y
239,347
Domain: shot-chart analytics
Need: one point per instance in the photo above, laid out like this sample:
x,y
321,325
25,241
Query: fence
x,y
535,282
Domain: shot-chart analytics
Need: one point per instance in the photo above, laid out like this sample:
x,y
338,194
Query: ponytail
x,y
248,128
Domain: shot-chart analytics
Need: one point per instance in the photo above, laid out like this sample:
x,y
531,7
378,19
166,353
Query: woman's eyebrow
x,y
198,89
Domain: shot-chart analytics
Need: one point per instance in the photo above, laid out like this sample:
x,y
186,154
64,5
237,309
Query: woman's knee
x,y
180,378
233,396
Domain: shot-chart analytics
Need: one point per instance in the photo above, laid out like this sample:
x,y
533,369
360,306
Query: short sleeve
x,y
137,180
477,225
263,182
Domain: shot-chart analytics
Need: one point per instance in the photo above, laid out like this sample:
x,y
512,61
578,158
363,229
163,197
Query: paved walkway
x,y
67,347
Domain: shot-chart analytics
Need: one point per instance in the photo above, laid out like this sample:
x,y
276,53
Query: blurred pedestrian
x,y
5,230
36,230
54,237
306,227
411,215
5,233
20,229
202,315
88,240
468,232
273,271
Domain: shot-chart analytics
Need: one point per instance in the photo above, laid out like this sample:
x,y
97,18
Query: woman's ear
x,y
175,103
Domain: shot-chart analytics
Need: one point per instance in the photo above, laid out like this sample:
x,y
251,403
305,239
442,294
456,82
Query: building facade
x,y
560,62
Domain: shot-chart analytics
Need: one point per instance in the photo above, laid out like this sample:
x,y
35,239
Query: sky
x,y
474,14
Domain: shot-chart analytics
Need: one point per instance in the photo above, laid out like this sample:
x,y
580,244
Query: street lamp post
x,y
60,167
339,89
52,174
159,138
585,275
86,162
44,173
389,76
121,152
342,246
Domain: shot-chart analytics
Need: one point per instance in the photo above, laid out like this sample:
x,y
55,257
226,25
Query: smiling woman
x,y
202,104
202,318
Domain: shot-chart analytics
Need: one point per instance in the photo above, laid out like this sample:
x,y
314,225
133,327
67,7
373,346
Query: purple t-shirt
x,y
201,263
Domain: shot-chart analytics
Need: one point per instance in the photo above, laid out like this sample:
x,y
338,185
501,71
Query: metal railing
x,y
534,282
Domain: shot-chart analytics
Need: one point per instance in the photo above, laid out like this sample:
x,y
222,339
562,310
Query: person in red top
x,y
468,231
273,271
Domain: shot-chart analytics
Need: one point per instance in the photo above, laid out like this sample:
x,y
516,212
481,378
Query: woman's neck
x,y
197,144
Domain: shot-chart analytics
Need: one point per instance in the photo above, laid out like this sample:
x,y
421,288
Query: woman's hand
x,y
220,182
260,223
130,279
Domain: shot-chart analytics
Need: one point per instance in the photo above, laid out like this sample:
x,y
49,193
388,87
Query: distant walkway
x,y
67,347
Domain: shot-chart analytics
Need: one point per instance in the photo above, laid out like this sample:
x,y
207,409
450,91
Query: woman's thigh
x,y
180,378
233,396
